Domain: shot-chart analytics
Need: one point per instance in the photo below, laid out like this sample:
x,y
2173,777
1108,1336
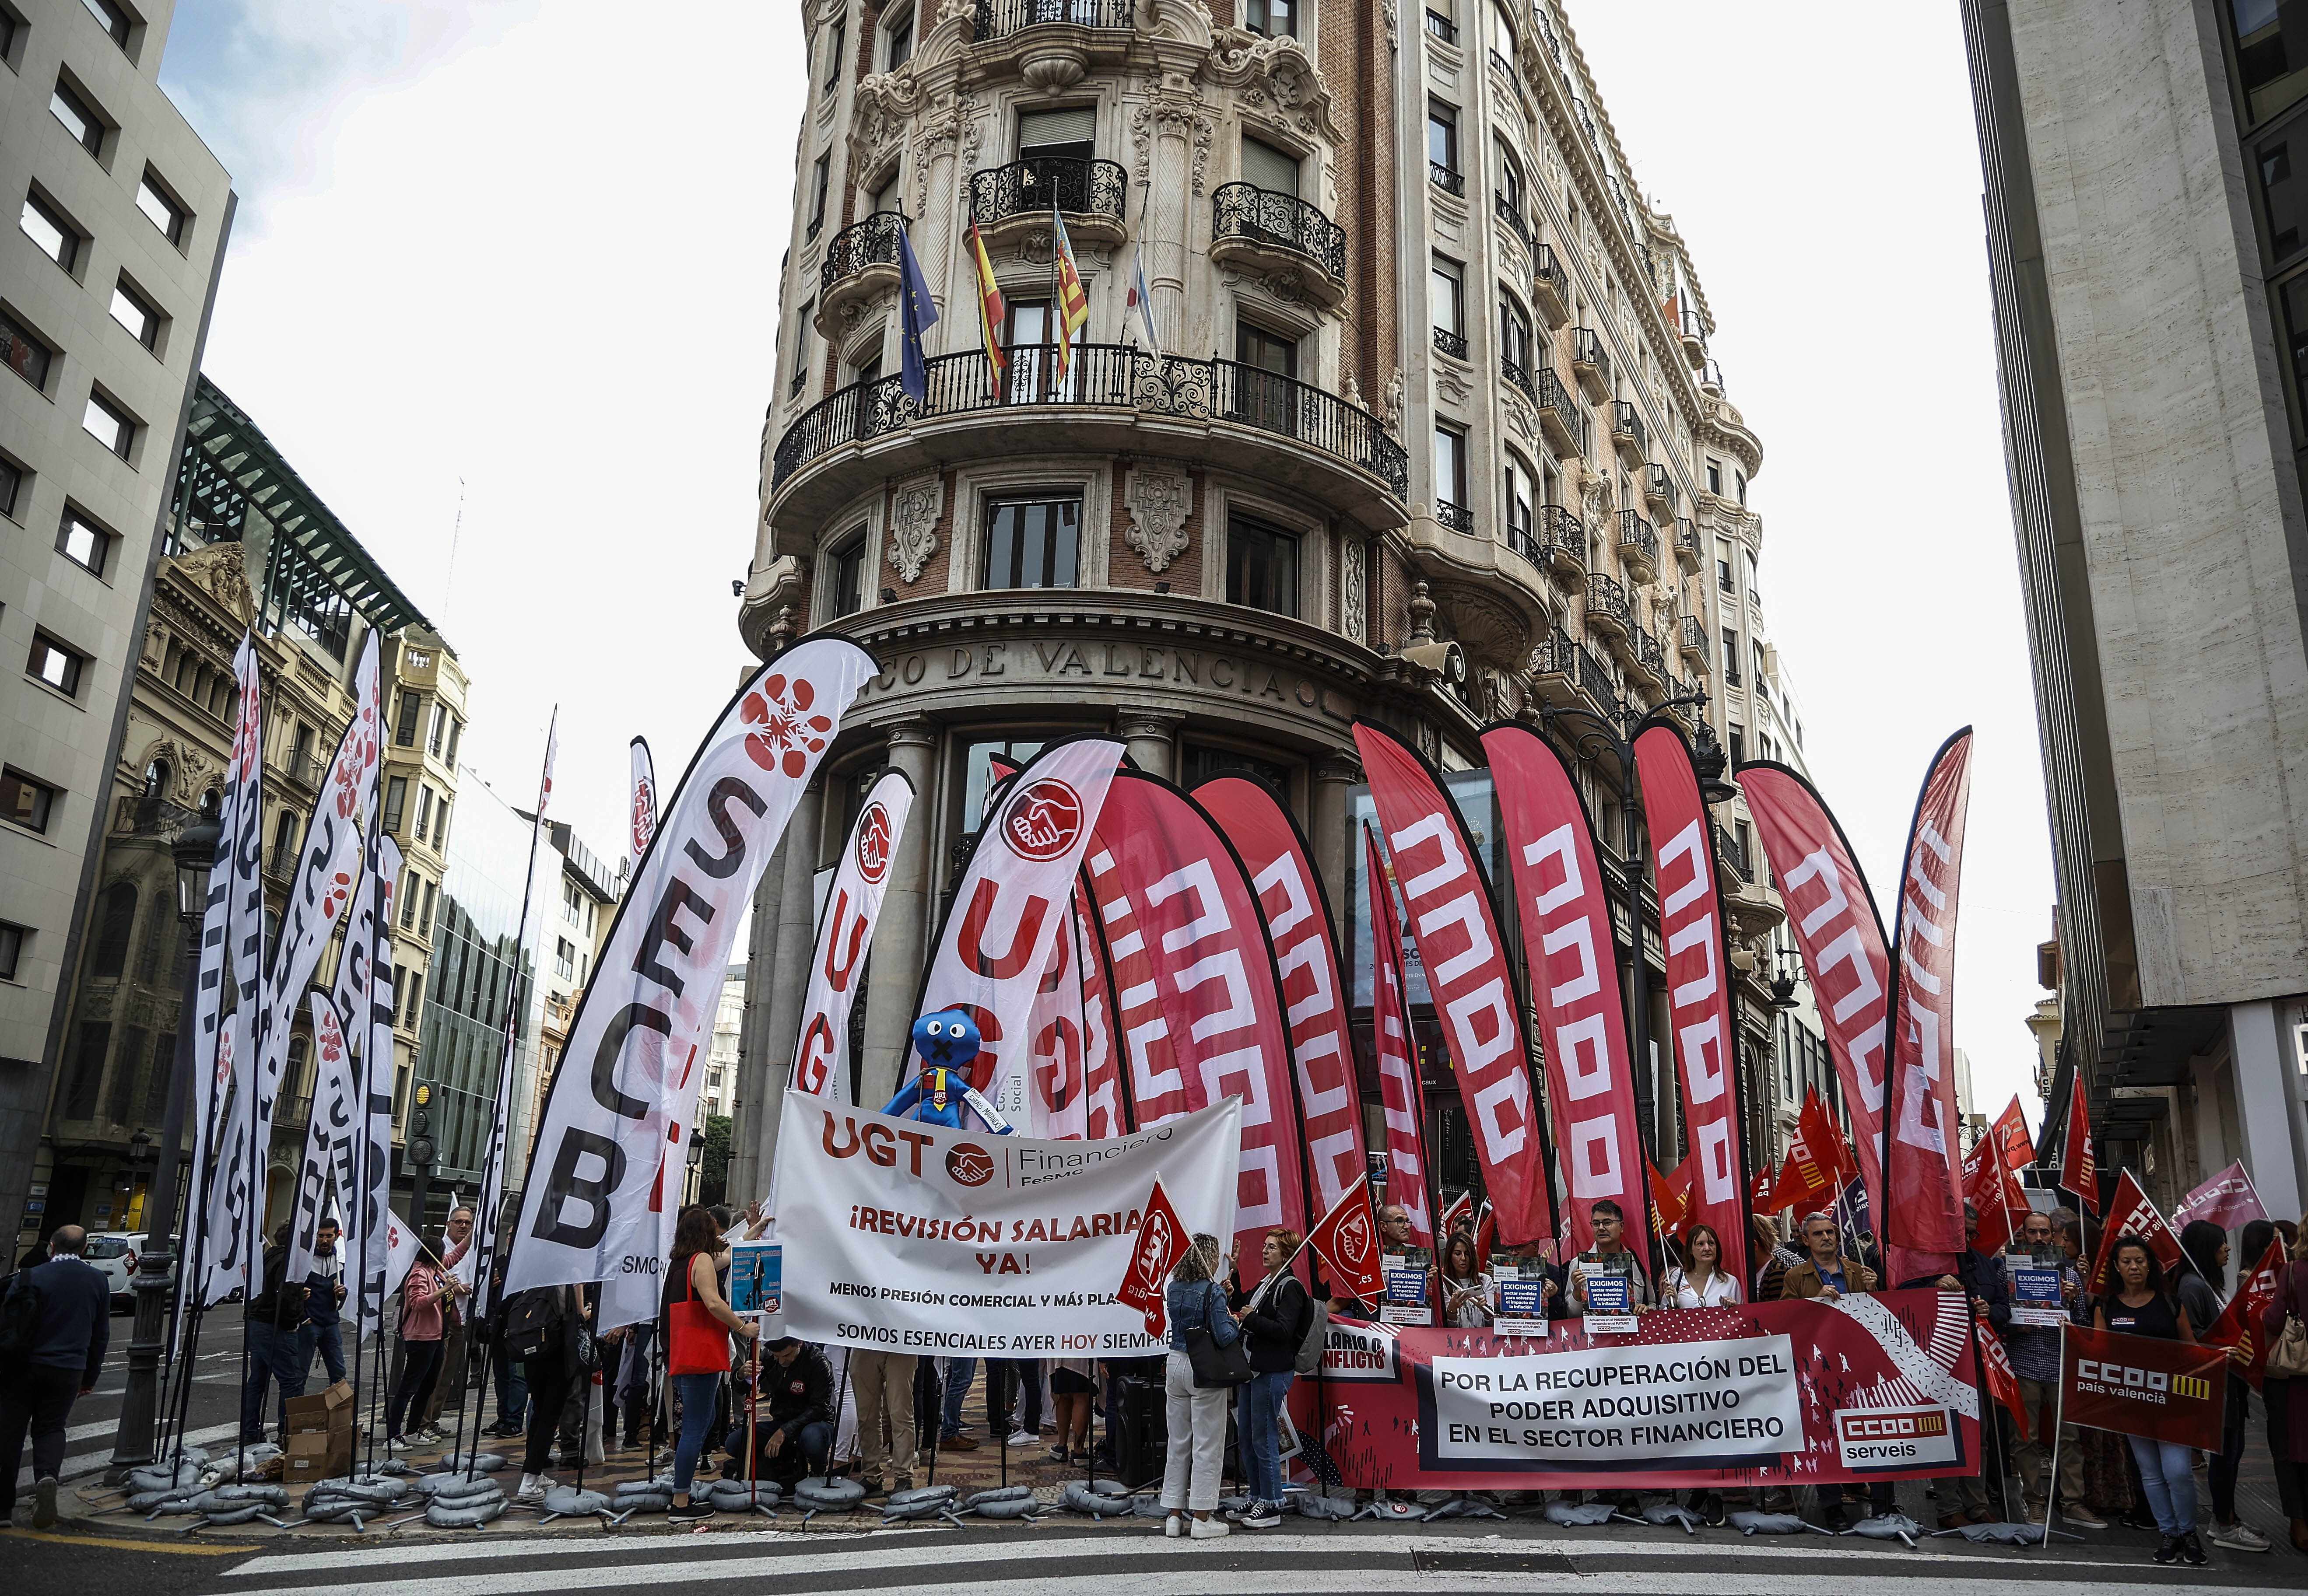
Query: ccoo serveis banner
x,y
907,1237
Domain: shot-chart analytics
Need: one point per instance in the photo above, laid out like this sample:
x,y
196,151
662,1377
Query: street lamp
x,y
194,853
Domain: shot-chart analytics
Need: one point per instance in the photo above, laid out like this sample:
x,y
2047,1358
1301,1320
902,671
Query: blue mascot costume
x,y
948,1042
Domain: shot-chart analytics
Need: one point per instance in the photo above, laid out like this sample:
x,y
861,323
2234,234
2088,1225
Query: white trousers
x,y
1198,1425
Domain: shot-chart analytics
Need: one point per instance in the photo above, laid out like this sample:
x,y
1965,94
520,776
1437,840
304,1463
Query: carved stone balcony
x,y
1590,365
1052,43
861,263
1013,199
1267,232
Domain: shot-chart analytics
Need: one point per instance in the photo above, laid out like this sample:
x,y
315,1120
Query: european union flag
x,y
916,313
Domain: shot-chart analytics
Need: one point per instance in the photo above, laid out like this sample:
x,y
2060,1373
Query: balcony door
x,y
1029,336
1266,388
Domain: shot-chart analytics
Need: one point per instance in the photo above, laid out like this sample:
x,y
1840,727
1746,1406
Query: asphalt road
x,y
1370,1560
213,1415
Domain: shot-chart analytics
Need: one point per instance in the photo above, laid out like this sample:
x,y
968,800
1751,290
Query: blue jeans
x,y
1261,1444
513,1391
700,1397
281,1355
960,1372
329,1340
2167,1474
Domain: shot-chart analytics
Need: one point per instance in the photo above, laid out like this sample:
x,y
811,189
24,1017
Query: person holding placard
x,y
1825,1272
1526,1294
1606,1281
1468,1296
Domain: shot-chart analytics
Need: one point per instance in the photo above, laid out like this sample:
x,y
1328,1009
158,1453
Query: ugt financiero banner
x,y
1793,1393
907,1237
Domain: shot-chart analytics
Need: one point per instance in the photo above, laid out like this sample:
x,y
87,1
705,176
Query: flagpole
x,y
2059,1415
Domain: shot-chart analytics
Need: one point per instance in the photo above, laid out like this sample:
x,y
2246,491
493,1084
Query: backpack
x,y
1318,1329
19,1319
531,1322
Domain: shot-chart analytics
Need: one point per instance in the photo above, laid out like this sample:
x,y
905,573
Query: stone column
x,y
2267,1107
902,939
752,1093
1152,735
790,974
1326,832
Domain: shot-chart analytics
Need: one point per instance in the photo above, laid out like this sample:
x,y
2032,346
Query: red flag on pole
x,y
2228,1199
1402,1098
1162,1241
2239,1325
1346,1239
1824,1139
1923,1221
2130,1213
1993,1187
2003,1379
2079,1171
2011,1131
1460,1213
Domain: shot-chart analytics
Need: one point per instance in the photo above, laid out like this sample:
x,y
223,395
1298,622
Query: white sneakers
x,y
1208,1528
1174,1525
2239,1537
533,1488
1019,1437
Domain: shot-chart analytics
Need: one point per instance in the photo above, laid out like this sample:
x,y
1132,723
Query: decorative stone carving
x,y
1451,383
1394,28
1391,412
912,540
221,571
1498,695
1173,107
1159,502
1277,73
1520,417
1352,605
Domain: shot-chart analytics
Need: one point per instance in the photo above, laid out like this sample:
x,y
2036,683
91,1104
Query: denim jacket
x,y
1199,1305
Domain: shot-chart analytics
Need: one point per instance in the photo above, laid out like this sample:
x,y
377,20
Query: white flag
x,y
603,1188
1141,303
853,907
365,1225
995,942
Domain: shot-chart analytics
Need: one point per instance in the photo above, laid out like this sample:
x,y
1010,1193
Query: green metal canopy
x,y
229,464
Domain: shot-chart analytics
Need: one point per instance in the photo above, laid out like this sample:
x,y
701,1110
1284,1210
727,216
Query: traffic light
x,y
418,1148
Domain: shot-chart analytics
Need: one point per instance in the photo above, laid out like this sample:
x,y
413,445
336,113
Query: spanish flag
x,y
1074,302
991,312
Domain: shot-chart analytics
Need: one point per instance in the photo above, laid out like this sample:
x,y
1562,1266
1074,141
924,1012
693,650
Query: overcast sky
x,y
535,247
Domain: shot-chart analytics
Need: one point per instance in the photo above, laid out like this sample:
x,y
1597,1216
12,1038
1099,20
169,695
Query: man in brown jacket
x,y
1826,1272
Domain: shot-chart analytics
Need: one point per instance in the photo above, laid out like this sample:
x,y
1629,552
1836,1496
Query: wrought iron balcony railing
x,y
1658,483
1245,211
1586,350
1556,399
1556,656
1545,269
1117,376
1519,374
1450,343
1637,538
1694,640
1606,604
1626,422
1442,27
1449,179
1508,214
872,242
1728,852
1595,677
1040,182
1561,536
999,19
1457,516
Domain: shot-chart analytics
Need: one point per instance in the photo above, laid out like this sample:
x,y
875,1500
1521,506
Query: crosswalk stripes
x,y
1145,1564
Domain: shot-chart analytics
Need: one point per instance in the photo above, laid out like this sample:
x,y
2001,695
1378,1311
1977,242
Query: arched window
x,y
156,779
115,918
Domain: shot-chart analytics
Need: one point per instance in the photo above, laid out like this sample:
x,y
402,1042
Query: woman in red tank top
x,y
698,1327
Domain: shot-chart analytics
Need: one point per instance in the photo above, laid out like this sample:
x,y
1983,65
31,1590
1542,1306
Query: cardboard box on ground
x,y
320,1439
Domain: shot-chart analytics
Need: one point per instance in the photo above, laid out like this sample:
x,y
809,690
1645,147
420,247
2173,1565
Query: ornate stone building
x,y
1422,431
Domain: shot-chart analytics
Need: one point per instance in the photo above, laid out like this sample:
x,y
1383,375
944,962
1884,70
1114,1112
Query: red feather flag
x,y
2079,1172
2130,1213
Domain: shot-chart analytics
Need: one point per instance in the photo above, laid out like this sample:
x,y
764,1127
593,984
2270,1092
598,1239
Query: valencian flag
x,y
1347,1241
2079,1172
1162,1241
2239,1323
2172,1391
991,311
1922,1217
2130,1213
917,314
1073,300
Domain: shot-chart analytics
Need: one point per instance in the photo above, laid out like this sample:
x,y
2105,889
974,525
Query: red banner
x,y
1101,1056
1698,985
2228,1199
1572,958
1400,1096
2079,1171
2130,1213
1315,991
2240,1323
1922,1226
1794,1392
1448,905
1346,1240
1050,1098
1836,926
1190,956
2143,1385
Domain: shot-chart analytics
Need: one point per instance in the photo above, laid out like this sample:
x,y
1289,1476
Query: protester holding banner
x,y
1466,1296
1824,1271
1275,1318
2035,1351
1608,1257
2136,1301
1987,1289
1196,1413
1699,1280
2206,1245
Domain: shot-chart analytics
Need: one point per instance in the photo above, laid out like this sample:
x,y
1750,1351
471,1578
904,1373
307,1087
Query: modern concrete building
x,y
106,286
2151,315
249,547
1430,372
